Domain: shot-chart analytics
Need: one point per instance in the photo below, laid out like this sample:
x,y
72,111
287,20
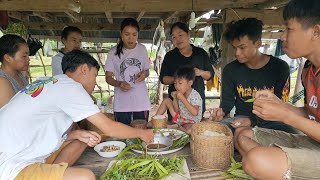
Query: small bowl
x,y
159,140
111,154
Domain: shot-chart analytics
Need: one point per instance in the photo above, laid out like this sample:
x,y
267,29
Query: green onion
x,y
236,171
249,100
143,167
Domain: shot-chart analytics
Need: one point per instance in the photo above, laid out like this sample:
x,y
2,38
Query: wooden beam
x,y
74,16
123,5
74,6
91,39
109,16
149,15
268,17
272,4
83,26
271,35
45,16
18,15
170,16
265,35
199,14
140,15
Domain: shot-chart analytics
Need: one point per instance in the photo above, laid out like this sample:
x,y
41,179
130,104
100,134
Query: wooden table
x,y
91,160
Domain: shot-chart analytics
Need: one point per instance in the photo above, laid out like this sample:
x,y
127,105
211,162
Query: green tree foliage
x,y
16,28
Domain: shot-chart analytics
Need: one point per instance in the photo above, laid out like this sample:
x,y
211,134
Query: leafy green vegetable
x,y
236,171
181,142
249,100
156,130
143,167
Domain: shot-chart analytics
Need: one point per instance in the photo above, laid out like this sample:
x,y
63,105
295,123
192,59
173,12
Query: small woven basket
x,y
139,123
91,127
159,123
211,152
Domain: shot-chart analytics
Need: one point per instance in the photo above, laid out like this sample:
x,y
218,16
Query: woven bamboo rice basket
x,y
159,123
139,123
211,152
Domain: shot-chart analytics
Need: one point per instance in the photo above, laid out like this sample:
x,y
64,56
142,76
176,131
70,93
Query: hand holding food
x,y
146,135
266,94
91,138
174,95
217,114
124,86
270,109
198,72
241,122
141,76
180,95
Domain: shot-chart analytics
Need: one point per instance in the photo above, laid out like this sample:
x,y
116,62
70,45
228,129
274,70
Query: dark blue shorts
x,y
127,117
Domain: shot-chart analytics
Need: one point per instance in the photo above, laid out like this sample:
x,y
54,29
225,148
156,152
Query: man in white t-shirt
x,y
35,126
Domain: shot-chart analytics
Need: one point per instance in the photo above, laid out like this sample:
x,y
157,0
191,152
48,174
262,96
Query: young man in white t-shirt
x,y
38,120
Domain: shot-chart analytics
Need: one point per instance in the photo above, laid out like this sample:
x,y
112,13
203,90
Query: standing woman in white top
x,y
14,58
126,68
71,37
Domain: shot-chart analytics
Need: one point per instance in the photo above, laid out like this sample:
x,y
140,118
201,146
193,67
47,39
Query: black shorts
x,y
127,117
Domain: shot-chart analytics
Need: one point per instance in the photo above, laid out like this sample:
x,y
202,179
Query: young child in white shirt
x,y
186,106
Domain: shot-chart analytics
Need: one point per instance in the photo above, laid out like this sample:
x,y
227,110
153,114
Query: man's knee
x,y
78,174
252,161
89,175
243,132
260,161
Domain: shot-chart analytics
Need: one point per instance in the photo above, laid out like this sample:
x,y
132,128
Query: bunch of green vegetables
x,y
182,141
236,171
142,167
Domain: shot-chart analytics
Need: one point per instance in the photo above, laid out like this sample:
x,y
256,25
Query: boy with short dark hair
x,y
71,37
186,106
250,72
271,154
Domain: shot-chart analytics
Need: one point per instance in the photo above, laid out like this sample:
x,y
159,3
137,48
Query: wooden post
x,y
101,56
44,67
298,86
160,57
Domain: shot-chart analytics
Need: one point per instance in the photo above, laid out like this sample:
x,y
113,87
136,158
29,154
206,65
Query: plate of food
x,y
160,143
109,148
179,140
173,134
